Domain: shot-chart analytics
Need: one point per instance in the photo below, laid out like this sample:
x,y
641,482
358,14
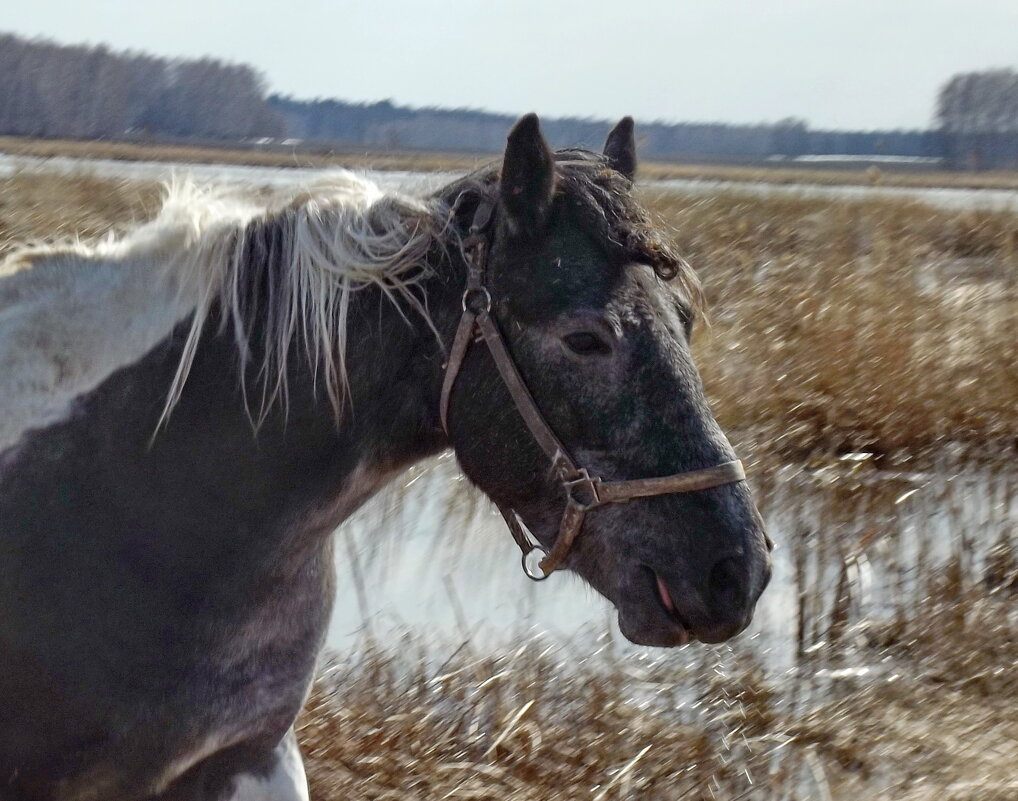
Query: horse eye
x,y
587,343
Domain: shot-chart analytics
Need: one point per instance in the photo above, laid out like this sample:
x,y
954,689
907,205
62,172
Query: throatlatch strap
x,y
464,333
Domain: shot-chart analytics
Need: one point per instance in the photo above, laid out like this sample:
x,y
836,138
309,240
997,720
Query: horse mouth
x,y
668,605
648,614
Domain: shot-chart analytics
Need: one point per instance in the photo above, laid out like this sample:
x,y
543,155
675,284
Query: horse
x,y
192,408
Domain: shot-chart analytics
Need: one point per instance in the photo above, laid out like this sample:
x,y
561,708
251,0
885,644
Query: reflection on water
x,y
856,547
279,177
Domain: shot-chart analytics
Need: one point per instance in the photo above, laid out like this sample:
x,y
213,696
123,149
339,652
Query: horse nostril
x,y
726,586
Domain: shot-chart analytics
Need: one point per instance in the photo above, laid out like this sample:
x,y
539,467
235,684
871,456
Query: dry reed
x,y
879,326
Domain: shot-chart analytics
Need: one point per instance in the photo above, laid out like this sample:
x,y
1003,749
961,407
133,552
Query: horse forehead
x,y
640,299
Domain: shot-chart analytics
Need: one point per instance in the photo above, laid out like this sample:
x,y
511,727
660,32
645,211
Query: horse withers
x,y
190,411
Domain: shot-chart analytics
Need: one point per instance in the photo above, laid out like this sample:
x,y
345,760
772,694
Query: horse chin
x,y
659,633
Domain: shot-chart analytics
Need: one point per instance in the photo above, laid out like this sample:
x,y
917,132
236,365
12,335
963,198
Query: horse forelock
x,y
608,209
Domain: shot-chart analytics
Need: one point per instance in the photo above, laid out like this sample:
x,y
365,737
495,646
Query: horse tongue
x,y
666,597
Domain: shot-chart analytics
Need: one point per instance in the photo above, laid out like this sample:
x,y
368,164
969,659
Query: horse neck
x,y
264,457
388,417
394,362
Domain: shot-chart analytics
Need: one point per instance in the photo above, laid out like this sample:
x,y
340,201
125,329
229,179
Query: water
x,y
939,197
856,545
421,182
447,574
279,177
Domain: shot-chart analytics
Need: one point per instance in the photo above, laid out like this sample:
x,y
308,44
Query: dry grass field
x,y
863,355
878,326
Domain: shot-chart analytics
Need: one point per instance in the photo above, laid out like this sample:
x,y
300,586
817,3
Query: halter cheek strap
x,y
582,491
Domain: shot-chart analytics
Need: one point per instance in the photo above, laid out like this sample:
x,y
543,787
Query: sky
x,y
865,64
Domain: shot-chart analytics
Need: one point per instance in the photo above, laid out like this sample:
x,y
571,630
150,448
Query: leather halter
x,y
583,491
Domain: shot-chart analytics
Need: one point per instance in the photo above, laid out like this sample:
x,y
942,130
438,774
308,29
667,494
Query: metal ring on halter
x,y
532,568
479,290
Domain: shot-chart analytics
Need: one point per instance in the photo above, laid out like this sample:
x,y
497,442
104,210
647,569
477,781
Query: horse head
x,y
594,311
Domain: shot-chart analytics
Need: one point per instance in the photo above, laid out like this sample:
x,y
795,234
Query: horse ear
x,y
528,176
620,148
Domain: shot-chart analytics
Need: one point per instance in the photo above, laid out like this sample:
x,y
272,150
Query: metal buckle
x,y
469,292
583,478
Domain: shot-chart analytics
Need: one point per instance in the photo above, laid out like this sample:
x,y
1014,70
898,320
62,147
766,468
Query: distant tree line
x,y
52,90
978,115
84,92
388,126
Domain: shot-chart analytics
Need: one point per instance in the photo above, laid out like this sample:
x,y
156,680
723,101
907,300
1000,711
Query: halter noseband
x,y
583,492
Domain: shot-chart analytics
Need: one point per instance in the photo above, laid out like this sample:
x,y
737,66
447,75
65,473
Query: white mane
x,y
71,314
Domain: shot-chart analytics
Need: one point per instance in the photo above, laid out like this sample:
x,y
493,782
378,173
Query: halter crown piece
x,y
582,491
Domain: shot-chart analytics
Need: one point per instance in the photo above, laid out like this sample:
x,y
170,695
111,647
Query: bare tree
x,y
84,92
978,115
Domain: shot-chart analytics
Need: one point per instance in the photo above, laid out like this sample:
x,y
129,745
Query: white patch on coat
x,y
72,314
286,782
69,318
